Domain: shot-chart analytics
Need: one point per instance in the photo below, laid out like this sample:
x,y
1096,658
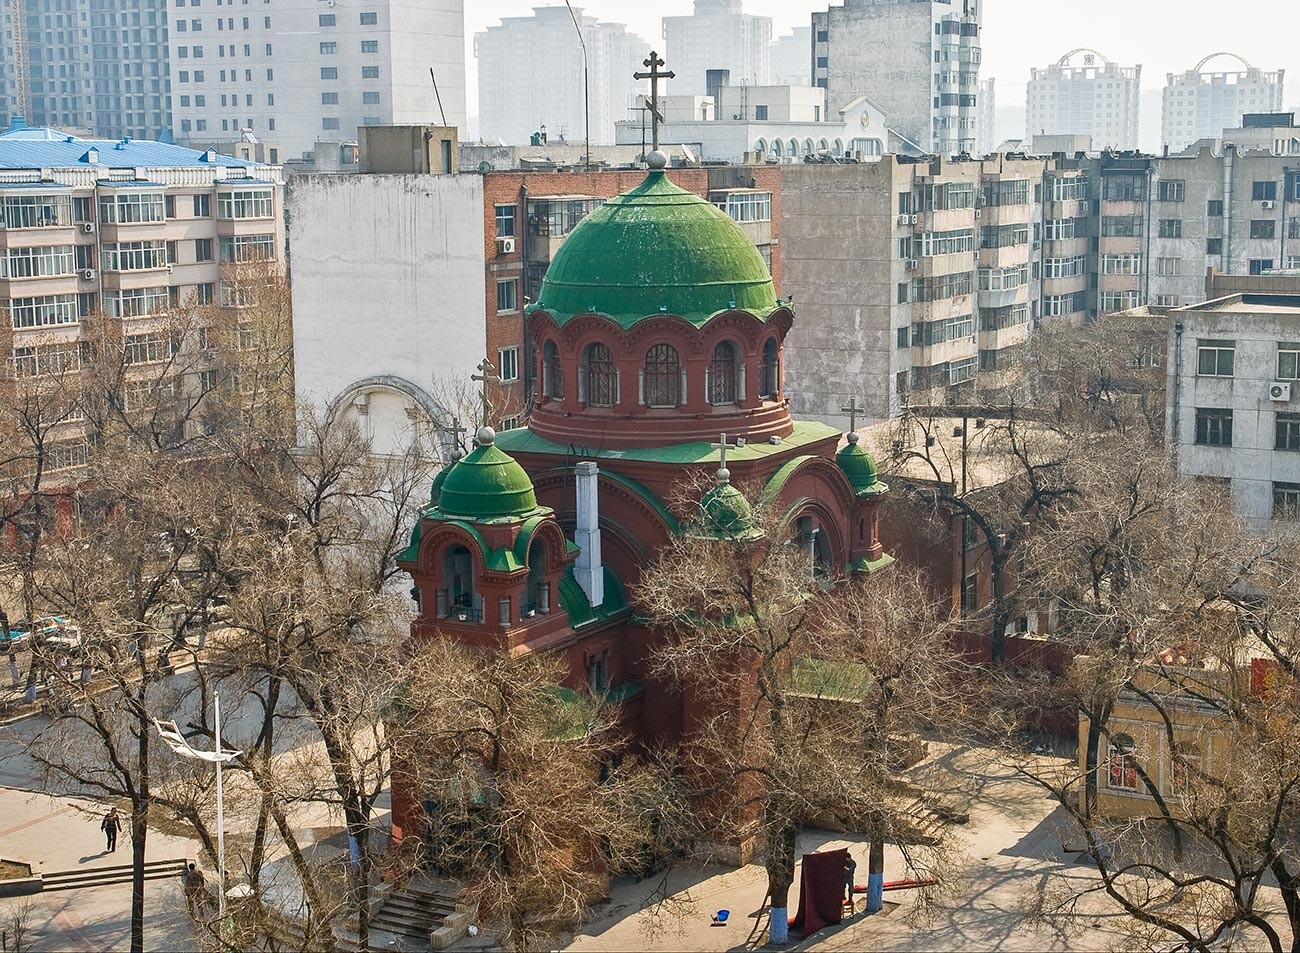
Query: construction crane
x,y
22,97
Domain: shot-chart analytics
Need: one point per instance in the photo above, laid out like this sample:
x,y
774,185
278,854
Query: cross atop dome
x,y
654,75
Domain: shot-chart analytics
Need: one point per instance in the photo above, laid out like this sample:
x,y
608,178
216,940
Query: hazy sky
x,y
1161,35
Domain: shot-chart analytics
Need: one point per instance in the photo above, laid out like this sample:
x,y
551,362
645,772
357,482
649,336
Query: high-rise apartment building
x,y
1085,94
515,102
988,117
719,36
298,72
918,59
1200,104
792,58
93,65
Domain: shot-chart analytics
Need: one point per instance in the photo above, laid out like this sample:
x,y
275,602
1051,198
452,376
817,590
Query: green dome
x,y
487,485
440,478
858,466
657,248
724,511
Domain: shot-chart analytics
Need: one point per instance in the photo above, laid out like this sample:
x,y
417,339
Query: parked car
x,y
23,627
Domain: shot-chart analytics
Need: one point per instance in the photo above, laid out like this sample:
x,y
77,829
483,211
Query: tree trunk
x,y
1289,884
998,637
1090,766
139,836
876,876
780,877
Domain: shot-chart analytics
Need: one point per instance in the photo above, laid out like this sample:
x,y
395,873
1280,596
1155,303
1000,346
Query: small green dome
x,y
488,484
858,466
655,249
440,478
724,511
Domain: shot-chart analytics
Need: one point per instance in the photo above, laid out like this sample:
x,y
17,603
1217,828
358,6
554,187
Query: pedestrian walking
x,y
111,826
193,882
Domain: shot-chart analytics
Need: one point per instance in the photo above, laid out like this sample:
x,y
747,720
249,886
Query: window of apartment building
x,y
1004,236
370,99
1214,208
1263,228
1213,427
1286,501
1005,192
760,113
507,296
1067,189
505,215
1060,229
904,203
1124,188
1288,361
1169,266
239,248
999,319
329,122
1216,358
1288,432
1171,190
132,207
41,261
904,248
1007,279
1263,192
68,455
204,293
1171,228
134,256
326,19
1121,264
329,72
904,337
1110,301
203,206
930,333
196,52
369,19
940,287
85,256
43,311
137,302
369,46
150,348
329,48
929,244
246,203
949,195
1120,226
1260,265
508,364
970,588
963,372
904,289
746,206
1056,306
370,72
329,99
1214,246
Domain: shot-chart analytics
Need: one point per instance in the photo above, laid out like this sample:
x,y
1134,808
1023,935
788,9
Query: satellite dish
x,y
690,156
484,167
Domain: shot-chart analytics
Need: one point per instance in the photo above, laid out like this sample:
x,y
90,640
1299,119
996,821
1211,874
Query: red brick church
x,y
657,330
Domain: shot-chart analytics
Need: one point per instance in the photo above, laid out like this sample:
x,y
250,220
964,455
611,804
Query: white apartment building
x,y
292,73
719,36
1200,104
129,229
918,59
515,101
988,117
1085,94
792,58
1233,406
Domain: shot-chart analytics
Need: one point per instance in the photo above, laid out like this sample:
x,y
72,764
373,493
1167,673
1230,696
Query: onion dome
x,y
440,478
860,468
657,249
487,485
725,513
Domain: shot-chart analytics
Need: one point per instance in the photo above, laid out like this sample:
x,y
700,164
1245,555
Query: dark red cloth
x,y
821,890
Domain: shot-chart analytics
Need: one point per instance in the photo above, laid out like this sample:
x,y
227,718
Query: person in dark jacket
x,y
850,873
111,826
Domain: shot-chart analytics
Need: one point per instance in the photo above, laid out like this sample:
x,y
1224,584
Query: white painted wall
x,y
388,292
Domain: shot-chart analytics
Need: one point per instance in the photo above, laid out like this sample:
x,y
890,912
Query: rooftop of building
x,y
30,147
1246,303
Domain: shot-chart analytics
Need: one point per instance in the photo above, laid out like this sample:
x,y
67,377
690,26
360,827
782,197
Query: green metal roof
x,y
860,468
657,249
574,601
805,434
487,485
726,514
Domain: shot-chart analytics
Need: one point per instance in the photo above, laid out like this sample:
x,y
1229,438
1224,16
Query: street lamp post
x,y
171,734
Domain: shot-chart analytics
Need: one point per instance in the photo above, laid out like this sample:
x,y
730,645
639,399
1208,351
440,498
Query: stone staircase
x,y
925,815
108,876
420,916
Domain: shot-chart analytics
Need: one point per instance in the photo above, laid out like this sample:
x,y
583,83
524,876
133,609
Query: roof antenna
x,y
433,76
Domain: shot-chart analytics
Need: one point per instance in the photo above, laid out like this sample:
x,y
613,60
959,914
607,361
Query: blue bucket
x,y
722,915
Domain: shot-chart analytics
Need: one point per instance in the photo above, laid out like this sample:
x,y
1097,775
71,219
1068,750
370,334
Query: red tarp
x,y
821,891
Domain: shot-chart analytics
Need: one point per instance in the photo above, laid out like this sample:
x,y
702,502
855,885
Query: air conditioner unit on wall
x,y
911,264
88,227
505,246
1279,392
1268,206
88,274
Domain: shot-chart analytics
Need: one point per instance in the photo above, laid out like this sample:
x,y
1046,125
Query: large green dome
x,y
657,248
487,485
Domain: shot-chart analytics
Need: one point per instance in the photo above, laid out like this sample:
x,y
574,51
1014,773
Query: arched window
x,y
722,374
601,377
778,149
457,597
823,146
839,147
771,382
794,148
552,373
807,147
663,377
537,600
760,148
814,546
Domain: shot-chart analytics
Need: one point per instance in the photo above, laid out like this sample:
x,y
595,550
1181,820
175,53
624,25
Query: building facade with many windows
x,y
293,73
1233,413
1200,103
1080,96
718,36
